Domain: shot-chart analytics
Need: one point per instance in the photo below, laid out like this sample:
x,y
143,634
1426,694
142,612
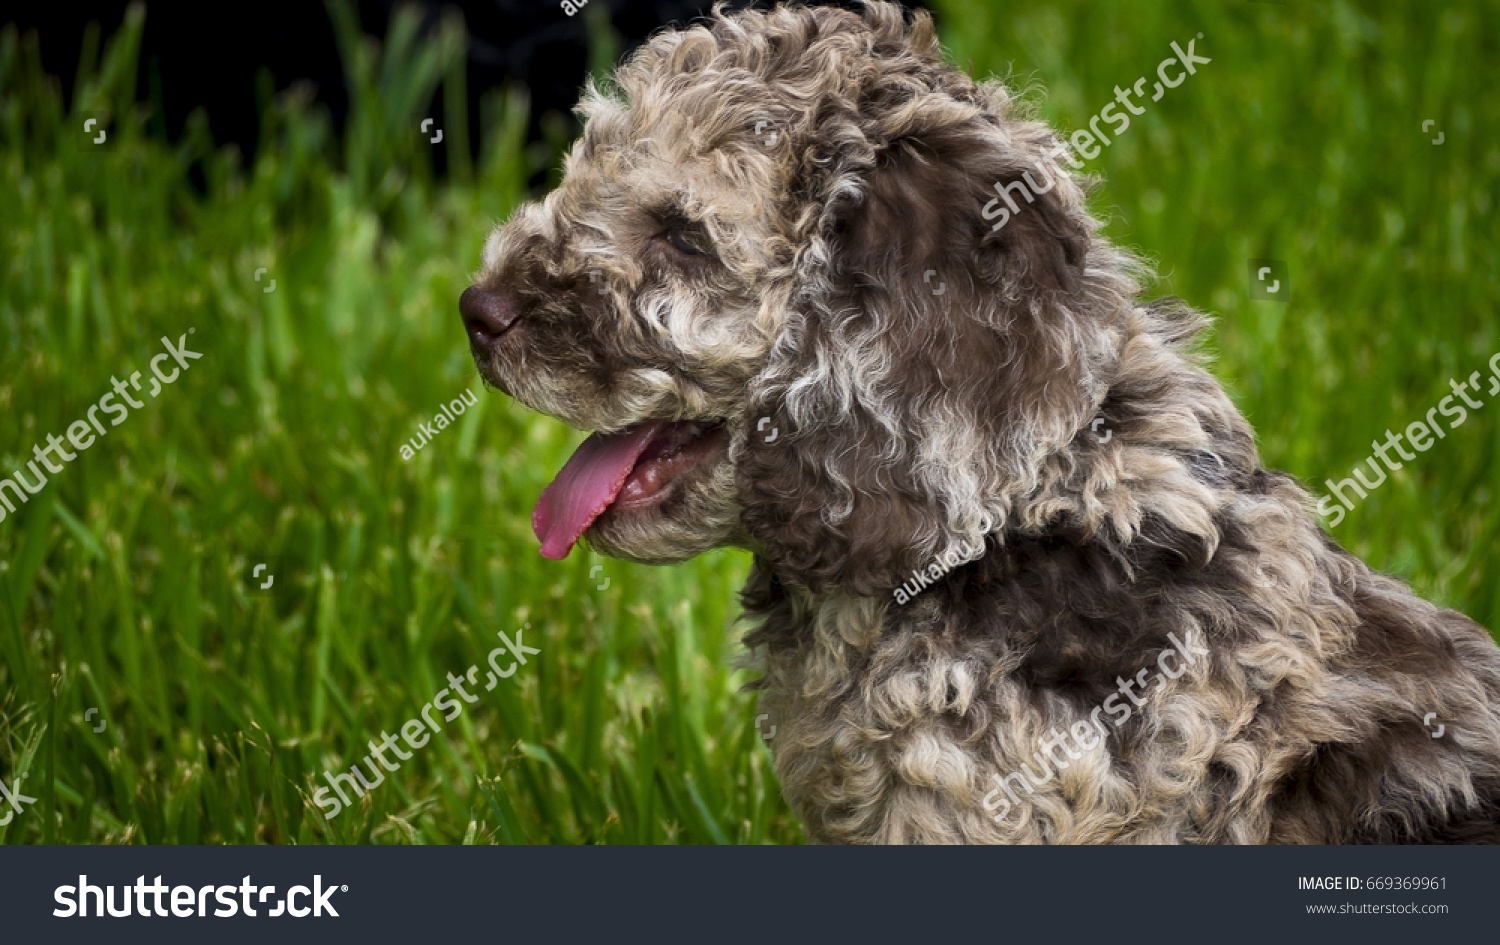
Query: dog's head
x,y
811,290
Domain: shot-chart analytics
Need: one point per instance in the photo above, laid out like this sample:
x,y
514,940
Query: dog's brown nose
x,y
487,313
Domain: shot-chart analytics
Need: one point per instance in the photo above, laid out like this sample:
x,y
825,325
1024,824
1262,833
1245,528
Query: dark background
x,y
208,55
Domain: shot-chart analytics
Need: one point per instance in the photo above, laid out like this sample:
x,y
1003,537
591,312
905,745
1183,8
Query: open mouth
x,y
633,469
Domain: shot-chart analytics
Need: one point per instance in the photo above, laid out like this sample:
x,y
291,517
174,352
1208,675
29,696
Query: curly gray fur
x,y
831,162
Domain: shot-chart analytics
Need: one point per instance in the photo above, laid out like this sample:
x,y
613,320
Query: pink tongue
x,y
586,486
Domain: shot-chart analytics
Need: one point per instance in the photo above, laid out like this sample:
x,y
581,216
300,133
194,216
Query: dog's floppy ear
x,y
933,360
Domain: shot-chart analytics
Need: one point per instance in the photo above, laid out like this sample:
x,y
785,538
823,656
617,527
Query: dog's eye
x,y
687,240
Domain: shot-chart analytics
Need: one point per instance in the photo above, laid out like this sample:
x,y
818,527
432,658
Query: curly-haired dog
x,y
1019,573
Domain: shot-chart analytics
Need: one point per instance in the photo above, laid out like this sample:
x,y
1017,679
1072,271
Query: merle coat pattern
x,y
766,281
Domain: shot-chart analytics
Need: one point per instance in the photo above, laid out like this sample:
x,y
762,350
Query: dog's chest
x,y
894,728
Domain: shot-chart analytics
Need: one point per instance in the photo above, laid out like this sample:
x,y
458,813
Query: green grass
x,y
125,584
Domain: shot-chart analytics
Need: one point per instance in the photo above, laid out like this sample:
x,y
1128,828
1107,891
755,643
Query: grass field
x,y
127,594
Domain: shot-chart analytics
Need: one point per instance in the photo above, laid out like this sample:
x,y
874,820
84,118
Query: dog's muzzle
x,y
487,314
